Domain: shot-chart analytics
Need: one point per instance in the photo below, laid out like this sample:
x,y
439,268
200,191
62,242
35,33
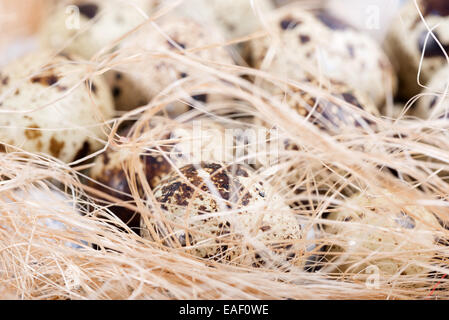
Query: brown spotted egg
x,y
328,114
434,101
49,107
371,233
201,141
155,69
409,40
225,213
302,43
84,27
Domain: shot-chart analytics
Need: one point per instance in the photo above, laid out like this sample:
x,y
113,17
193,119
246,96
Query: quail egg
x,y
372,232
49,106
84,27
327,114
225,213
138,82
316,43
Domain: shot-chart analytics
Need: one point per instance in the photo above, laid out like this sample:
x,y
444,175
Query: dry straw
x,y
49,218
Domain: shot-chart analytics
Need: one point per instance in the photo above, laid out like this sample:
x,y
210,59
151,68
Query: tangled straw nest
x,y
59,240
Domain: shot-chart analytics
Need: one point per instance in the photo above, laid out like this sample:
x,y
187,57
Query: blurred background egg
x,y
84,27
159,66
49,106
368,234
318,43
413,49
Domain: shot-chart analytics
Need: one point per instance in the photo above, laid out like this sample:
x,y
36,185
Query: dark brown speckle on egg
x,y
89,10
93,88
179,44
304,38
116,92
224,180
45,80
84,151
5,80
436,7
56,147
200,97
431,48
289,23
32,132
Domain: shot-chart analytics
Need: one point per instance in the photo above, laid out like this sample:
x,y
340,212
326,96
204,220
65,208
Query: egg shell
x,y
85,27
433,103
138,82
316,43
330,116
406,42
368,229
50,109
244,222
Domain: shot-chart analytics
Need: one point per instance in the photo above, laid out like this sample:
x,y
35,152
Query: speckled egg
x,y
372,232
84,27
225,213
138,82
236,18
406,43
49,107
433,104
190,143
315,43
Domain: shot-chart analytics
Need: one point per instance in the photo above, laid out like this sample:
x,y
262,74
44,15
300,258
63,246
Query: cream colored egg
x,y
156,72
406,43
228,214
84,27
315,43
49,107
372,233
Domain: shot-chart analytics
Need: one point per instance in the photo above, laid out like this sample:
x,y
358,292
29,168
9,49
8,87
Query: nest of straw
x,y
57,240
